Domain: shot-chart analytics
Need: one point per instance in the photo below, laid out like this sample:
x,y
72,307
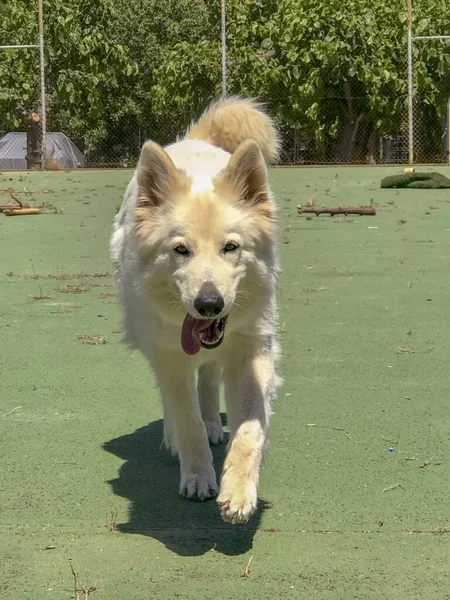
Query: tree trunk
x,y
356,139
34,150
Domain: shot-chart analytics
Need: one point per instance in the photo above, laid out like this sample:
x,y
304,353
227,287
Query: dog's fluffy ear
x,y
158,178
247,172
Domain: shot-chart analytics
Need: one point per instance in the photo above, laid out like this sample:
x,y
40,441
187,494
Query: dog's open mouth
x,y
201,333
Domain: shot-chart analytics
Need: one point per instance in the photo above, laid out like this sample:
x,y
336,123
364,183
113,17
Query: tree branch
x,y
340,210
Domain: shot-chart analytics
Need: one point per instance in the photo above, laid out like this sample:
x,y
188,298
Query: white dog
x,y
194,254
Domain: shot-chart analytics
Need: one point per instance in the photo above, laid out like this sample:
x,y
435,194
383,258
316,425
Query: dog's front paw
x,y
199,485
237,500
214,430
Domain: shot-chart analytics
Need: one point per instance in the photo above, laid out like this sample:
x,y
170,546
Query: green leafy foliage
x,y
333,70
85,66
333,73
150,29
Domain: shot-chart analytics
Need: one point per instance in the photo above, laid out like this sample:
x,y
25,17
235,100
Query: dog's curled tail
x,y
231,120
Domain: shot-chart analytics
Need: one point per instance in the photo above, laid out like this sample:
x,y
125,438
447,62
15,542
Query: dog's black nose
x,y
209,302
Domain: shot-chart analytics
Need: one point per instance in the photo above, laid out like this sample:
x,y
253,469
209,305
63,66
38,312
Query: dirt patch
x,y
445,531
75,289
69,276
93,340
65,310
42,297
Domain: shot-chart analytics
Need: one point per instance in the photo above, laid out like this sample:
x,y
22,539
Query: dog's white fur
x,y
204,192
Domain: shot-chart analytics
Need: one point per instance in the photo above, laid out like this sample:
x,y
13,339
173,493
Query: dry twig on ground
x,y
340,210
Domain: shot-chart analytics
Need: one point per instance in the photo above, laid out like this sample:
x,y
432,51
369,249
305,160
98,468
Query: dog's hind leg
x,y
176,380
209,379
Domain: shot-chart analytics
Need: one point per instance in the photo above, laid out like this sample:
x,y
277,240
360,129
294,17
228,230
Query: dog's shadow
x,y
149,479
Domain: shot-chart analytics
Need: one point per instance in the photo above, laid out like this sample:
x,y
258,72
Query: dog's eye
x,y
180,249
230,247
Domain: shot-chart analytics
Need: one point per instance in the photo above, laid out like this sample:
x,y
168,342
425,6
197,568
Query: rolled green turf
x,y
432,181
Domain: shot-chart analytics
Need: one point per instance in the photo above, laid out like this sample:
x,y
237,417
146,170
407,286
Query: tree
x,y
334,71
149,29
85,67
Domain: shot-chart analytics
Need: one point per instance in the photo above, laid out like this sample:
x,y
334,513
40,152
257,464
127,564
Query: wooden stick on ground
x,y
340,210
11,212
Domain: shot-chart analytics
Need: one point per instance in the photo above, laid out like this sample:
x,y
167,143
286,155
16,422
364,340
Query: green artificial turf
x,y
364,304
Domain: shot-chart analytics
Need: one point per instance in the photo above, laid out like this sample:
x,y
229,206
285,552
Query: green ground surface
x,y
364,307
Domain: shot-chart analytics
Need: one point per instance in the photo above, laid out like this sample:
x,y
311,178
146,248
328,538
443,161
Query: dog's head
x,y
207,243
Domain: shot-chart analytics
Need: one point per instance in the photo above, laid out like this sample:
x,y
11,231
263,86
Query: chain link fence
x,y
349,133
350,137
345,127
431,131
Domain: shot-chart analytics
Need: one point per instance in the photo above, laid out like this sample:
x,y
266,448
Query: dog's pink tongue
x,y
190,333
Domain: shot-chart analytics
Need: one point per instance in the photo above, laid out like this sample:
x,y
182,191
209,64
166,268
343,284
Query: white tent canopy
x,y
13,151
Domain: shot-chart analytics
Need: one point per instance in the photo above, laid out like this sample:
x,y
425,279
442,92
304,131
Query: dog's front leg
x,y
187,430
250,386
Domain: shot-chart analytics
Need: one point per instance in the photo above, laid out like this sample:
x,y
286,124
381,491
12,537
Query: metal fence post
x,y
224,49
410,88
448,131
42,71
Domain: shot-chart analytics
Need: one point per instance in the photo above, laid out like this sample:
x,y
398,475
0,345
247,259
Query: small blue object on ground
x,y
391,449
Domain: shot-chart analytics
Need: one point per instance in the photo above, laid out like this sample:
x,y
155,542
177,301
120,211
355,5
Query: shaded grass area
x,y
354,492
